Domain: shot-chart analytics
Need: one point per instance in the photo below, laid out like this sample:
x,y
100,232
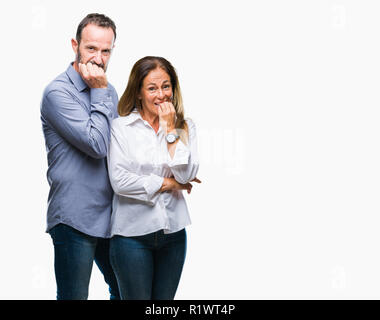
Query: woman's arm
x,y
171,184
185,163
123,180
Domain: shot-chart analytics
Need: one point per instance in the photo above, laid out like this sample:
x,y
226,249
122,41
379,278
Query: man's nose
x,y
98,57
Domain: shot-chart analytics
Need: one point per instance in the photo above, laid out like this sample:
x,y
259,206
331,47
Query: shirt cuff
x,y
181,155
153,184
99,95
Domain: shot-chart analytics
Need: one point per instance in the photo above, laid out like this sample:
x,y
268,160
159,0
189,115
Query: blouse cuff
x,y
181,155
152,185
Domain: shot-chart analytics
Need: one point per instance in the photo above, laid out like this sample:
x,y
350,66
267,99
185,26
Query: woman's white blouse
x,y
138,161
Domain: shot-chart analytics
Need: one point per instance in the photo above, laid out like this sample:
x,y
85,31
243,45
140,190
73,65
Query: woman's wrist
x,y
171,129
166,185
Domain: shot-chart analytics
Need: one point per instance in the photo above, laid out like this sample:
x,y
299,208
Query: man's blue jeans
x,y
150,266
74,253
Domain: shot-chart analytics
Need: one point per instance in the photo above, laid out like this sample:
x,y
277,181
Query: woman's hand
x,y
167,116
170,184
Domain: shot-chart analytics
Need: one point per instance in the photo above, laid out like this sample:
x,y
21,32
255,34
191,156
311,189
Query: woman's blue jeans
x,y
148,267
74,253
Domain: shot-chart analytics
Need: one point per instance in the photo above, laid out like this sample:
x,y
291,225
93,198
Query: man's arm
x,y
64,112
87,132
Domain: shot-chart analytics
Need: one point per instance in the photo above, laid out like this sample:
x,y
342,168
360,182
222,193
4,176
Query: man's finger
x,y
83,70
90,68
196,180
98,70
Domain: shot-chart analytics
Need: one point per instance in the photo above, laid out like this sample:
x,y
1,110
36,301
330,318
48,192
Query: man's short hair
x,y
98,19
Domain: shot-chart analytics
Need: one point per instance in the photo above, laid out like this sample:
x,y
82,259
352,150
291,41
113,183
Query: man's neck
x,y
75,66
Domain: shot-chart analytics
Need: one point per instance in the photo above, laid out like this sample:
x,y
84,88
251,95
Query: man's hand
x,y
93,75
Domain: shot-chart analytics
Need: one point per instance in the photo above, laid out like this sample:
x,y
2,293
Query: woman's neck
x,y
151,118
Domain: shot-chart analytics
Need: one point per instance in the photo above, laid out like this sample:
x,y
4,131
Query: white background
x,y
285,95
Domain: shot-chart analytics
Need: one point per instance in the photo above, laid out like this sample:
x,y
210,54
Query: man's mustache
x,y
101,65
79,60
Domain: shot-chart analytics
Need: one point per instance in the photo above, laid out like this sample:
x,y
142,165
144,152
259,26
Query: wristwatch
x,y
171,137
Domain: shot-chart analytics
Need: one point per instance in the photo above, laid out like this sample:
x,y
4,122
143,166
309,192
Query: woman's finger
x,y
166,107
160,110
171,107
196,180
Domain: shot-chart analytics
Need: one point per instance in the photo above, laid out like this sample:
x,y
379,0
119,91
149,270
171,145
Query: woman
x,y
152,158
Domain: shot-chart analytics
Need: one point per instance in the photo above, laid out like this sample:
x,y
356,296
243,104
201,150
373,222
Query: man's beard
x,y
79,58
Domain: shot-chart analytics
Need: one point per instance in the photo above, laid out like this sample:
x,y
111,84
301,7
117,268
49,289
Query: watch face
x,y
170,138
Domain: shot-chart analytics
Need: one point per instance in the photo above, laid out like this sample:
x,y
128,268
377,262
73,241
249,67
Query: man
x,y
76,112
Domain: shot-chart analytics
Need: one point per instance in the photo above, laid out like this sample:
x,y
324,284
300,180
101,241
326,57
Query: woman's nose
x,y
160,93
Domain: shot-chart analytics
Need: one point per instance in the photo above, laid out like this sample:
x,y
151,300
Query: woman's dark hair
x,y
97,19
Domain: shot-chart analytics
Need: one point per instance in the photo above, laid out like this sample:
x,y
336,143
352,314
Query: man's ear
x,y
74,45
113,46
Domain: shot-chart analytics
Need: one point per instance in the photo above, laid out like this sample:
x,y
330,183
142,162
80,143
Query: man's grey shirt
x,y
76,124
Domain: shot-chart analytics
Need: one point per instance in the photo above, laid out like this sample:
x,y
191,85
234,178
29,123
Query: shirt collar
x,y
75,78
135,116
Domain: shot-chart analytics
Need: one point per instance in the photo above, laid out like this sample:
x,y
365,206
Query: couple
x,y
116,171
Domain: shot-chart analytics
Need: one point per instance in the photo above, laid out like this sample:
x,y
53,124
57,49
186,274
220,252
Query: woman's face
x,y
156,89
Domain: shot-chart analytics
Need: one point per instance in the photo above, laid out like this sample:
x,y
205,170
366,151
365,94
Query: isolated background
x,y
285,95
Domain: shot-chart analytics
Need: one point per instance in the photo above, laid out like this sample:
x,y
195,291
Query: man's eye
x,y
151,89
91,49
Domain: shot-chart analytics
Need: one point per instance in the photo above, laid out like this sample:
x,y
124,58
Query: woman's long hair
x,y
129,100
